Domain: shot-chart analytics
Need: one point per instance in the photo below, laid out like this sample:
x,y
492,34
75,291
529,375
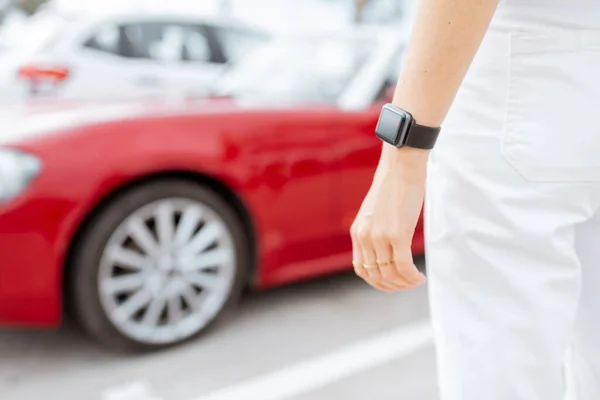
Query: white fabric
x,y
512,212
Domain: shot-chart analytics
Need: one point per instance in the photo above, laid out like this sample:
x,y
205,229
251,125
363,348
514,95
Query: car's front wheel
x,y
158,265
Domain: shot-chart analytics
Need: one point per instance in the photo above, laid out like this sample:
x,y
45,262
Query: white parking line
x,y
131,391
318,372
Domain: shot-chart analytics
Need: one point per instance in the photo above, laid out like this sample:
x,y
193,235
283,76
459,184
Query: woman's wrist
x,y
406,156
408,163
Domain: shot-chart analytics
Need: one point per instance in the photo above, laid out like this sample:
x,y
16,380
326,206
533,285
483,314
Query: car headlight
x,y
17,169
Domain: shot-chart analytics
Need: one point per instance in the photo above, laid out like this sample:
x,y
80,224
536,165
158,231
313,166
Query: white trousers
x,y
513,213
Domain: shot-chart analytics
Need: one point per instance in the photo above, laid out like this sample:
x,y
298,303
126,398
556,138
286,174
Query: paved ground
x,y
319,340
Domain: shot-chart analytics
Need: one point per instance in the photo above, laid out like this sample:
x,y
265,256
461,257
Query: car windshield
x,y
299,70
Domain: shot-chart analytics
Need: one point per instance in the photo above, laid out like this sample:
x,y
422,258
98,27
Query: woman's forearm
x,y
445,37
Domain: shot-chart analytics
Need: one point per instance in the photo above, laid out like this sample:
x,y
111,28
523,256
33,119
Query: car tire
x,y
91,286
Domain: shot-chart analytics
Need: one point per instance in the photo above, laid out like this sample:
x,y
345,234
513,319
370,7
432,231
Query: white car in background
x,y
82,54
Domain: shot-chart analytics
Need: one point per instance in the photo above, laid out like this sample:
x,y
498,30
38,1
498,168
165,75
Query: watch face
x,y
393,124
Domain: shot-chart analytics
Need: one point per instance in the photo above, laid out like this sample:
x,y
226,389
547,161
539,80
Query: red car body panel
x,y
301,174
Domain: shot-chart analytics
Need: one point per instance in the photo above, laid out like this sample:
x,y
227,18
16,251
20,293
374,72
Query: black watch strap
x,y
398,128
422,137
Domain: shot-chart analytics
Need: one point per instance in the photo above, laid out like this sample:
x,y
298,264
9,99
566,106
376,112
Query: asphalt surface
x,y
263,347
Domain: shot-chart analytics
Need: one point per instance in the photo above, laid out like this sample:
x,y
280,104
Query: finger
x,y
359,236
404,264
357,259
370,263
385,261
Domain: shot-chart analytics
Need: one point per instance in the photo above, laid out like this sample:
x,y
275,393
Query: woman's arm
x,y
446,35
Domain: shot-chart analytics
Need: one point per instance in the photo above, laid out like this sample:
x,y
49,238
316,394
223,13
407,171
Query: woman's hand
x,y
382,231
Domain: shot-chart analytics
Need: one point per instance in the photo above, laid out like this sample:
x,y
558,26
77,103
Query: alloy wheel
x,y
167,271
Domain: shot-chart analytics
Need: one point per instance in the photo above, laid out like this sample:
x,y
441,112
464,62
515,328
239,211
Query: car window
x,y
237,43
168,42
195,46
161,42
106,39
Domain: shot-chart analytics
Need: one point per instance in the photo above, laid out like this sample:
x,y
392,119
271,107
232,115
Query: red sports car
x,y
147,219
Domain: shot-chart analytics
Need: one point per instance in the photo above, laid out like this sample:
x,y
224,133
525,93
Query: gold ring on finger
x,y
367,266
385,263
356,264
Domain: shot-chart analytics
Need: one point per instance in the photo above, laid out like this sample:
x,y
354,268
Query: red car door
x,y
297,200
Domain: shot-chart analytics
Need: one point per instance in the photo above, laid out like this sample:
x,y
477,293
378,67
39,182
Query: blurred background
x,y
177,182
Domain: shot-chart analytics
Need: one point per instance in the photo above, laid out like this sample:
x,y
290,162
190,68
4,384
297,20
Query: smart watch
x,y
398,128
